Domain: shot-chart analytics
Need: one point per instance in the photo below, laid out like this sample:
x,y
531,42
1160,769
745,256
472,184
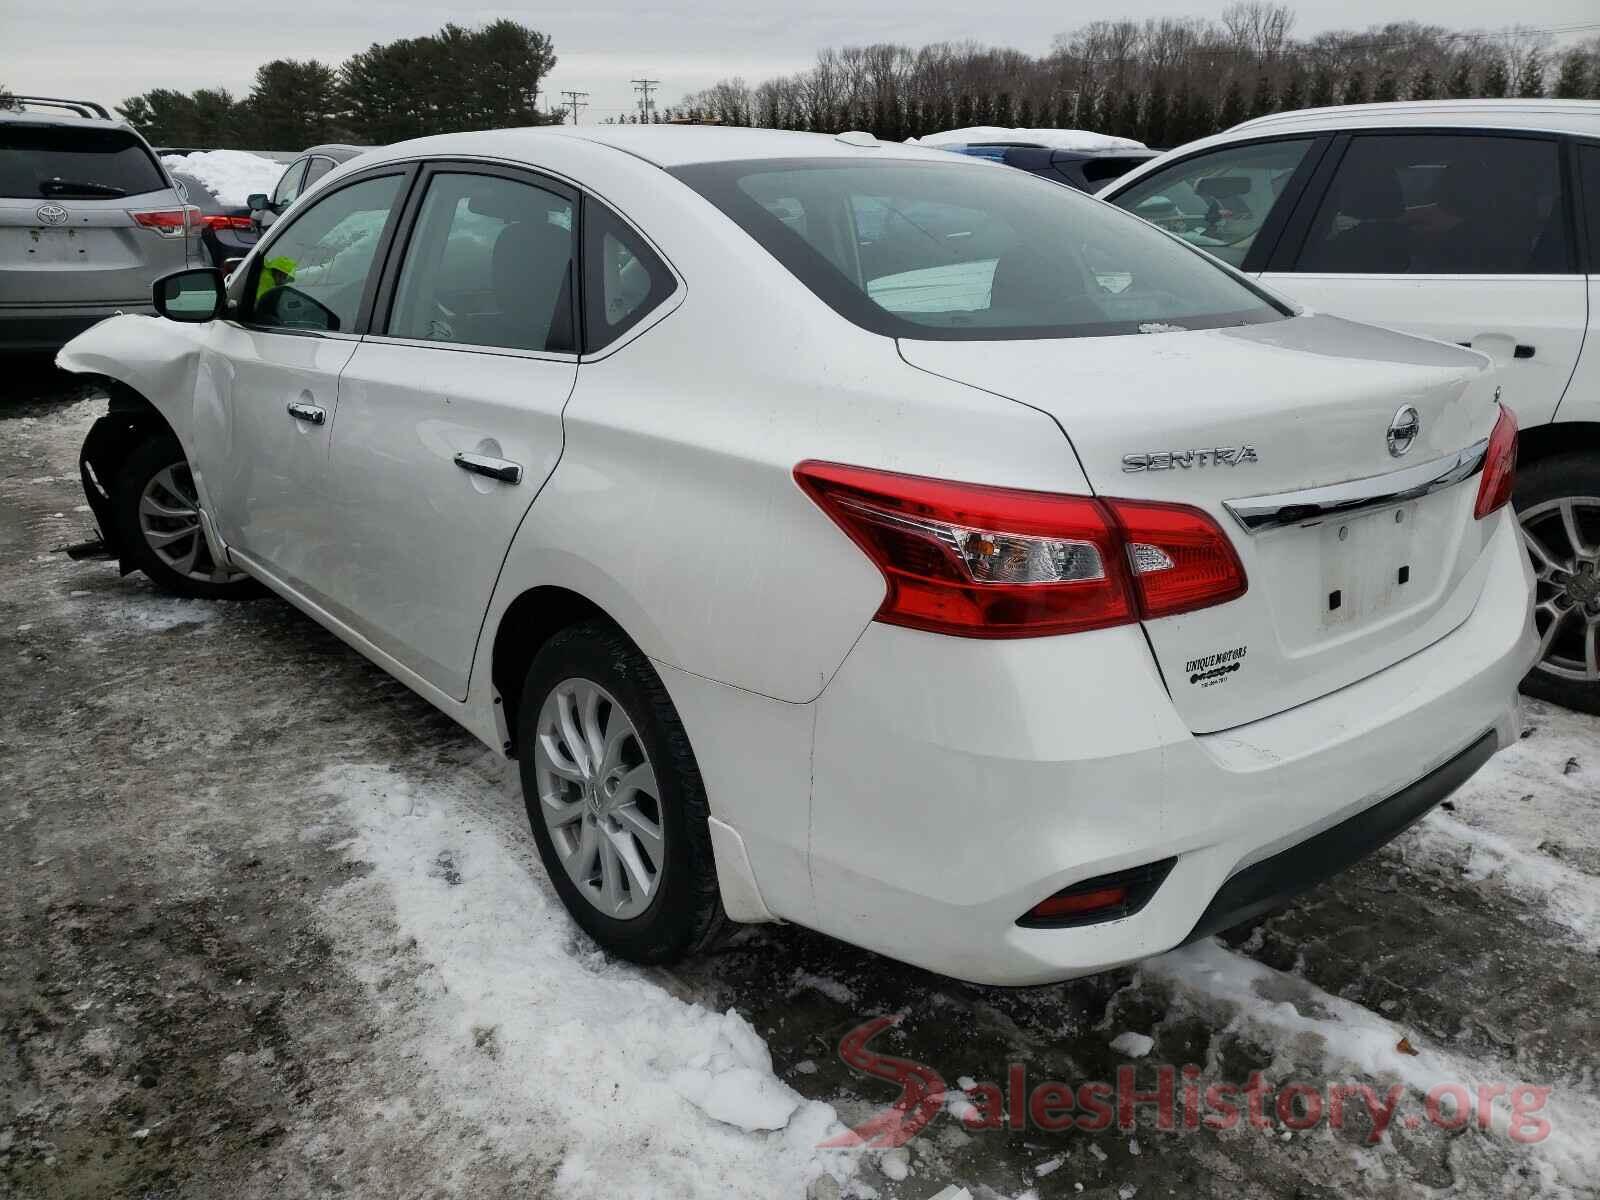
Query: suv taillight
x,y
1499,466
988,562
170,222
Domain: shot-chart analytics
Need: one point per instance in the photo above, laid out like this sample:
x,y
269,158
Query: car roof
x,y
11,117
341,151
1555,116
662,145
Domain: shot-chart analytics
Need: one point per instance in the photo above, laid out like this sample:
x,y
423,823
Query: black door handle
x,y
495,468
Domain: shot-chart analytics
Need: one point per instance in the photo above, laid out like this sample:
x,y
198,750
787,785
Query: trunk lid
x,y
1300,404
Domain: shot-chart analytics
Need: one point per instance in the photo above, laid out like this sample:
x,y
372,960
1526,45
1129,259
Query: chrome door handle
x,y
309,413
495,468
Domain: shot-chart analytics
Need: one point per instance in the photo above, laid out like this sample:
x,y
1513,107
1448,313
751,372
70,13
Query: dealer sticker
x,y
1214,668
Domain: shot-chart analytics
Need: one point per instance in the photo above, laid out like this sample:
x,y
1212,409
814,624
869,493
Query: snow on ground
x,y
232,175
1056,139
525,1030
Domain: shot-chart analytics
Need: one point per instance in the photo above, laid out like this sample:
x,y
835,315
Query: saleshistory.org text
x,y
1182,1099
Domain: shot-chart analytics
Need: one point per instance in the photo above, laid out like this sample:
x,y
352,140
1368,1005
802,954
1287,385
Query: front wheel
x,y
1558,505
156,509
615,798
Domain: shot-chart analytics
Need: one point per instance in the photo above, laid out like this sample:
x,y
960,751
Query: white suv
x,y
843,533
1473,221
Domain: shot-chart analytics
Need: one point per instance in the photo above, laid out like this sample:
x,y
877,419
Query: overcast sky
x,y
108,50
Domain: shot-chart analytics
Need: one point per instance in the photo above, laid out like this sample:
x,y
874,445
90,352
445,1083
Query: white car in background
x,y
1009,589
1471,221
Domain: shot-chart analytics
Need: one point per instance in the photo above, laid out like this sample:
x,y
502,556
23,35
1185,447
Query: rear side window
x,y
1441,204
61,163
319,167
970,251
623,279
1217,201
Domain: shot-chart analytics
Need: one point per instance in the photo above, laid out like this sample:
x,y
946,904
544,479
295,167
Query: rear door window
x,y
52,162
1218,201
1441,204
490,264
319,166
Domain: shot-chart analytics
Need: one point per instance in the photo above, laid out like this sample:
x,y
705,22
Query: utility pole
x,y
574,103
644,87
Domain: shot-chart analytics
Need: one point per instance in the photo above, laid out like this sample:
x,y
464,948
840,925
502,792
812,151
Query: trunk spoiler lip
x,y
1354,496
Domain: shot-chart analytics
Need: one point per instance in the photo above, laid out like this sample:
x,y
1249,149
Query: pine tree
x,y
984,113
1180,116
1088,112
1321,89
1572,83
1355,88
945,114
966,112
1233,109
1003,114
1495,83
1156,126
1202,117
1530,76
1064,110
1459,86
1261,99
1128,115
1387,88
1294,93
1025,118
1424,86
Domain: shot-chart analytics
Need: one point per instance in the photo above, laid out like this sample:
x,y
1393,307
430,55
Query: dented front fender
x,y
156,358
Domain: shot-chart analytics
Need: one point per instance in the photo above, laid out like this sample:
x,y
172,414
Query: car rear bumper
x,y
956,784
51,326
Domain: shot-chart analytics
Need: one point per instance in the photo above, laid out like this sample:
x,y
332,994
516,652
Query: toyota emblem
x,y
51,214
1403,430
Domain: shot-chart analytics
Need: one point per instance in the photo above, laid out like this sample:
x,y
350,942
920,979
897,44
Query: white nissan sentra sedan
x,y
844,533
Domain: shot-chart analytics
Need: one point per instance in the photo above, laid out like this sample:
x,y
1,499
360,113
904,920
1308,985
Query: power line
x,y
574,103
644,87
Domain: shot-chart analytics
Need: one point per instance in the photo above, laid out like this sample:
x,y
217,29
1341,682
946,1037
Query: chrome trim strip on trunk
x,y
1255,513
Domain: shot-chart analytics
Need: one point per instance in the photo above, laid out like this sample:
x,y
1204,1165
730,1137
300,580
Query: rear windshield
x,y
969,251
55,163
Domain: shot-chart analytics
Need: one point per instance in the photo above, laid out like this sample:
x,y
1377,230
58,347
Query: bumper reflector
x,y
1103,898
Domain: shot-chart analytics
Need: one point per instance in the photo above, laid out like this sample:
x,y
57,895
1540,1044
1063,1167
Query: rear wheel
x,y
1558,505
156,508
615,798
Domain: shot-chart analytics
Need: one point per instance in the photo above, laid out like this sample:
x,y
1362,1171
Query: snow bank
x,y
1056,139
525,1038
1288,1013
232,175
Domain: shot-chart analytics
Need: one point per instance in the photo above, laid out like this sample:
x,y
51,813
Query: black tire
x,y
685,914
1545,481
148,460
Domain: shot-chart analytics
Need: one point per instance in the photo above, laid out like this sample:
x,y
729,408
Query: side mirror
x,y
257,201
193,296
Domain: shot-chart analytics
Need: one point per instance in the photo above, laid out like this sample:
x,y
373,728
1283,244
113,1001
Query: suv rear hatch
x,y
1241,422
87,215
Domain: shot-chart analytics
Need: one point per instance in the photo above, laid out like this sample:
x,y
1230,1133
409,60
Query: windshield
x,y
54,163
966,251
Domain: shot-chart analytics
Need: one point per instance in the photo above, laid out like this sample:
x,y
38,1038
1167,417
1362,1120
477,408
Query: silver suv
x,y
89,219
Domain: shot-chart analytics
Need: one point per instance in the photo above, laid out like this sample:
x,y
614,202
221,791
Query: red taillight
x,y
978,561
1499,466
1181,560
1078,904
170,222
222,221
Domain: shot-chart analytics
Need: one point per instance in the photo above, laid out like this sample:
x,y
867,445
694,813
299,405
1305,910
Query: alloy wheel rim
x,y
169,518
1563,540
599,798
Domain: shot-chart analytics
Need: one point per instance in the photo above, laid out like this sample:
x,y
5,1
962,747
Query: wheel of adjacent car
x,y
1558,502
615,799
156,509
